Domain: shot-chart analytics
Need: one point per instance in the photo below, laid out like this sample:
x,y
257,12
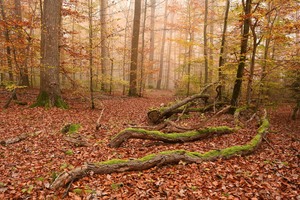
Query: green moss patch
x,y
70,128
43,100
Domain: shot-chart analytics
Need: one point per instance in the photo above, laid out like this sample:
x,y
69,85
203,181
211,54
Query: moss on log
x,y
159,159
187,136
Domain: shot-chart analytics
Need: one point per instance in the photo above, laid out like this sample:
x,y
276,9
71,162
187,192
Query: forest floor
x,y
27,168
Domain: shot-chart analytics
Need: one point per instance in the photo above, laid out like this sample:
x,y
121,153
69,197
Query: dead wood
x,y
11,97
160,159
18,138
188,136
158,115
77,140
98,125
166,126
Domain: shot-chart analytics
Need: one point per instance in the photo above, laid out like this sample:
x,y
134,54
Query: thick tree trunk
x,y
188,136
160,159
50,94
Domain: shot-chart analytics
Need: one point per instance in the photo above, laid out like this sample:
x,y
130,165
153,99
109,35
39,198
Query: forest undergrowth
x,y
28,168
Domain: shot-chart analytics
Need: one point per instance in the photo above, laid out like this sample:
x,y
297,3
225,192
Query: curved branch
x,y
187,136
162,158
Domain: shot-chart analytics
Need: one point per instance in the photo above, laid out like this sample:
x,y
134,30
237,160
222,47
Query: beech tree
x,y
243,52
50,94
104,46
134,48
7,40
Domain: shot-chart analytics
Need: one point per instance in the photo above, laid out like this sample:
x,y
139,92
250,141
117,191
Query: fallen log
x,y
18,138
160,159
77,140
158,115
187,136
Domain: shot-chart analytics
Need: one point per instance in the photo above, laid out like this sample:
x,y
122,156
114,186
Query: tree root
x,y
188,136
162,158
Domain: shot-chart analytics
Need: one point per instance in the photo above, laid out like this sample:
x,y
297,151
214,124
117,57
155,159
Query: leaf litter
x,y
27,168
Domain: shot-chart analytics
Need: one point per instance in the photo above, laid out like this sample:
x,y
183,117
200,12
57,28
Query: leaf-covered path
x,y
28,167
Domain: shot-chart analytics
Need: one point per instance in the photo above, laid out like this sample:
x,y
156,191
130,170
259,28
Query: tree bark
x,y
156,116
20,57
188,136
134,49
91,47
104,46
242,60
50,94
152,40
162,50
205,43
160,159
7,40
221,58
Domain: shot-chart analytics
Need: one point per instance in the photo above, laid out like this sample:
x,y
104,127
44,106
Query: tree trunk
x,y
221,58
134,49
20,57
266,51
91,47
252,64
104,46
242,60
162,51
205,43
125,55
169,56
152,48
142,83
7,40
50,94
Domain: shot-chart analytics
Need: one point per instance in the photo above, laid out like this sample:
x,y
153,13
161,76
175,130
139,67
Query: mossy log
x,y
187,136
160,159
